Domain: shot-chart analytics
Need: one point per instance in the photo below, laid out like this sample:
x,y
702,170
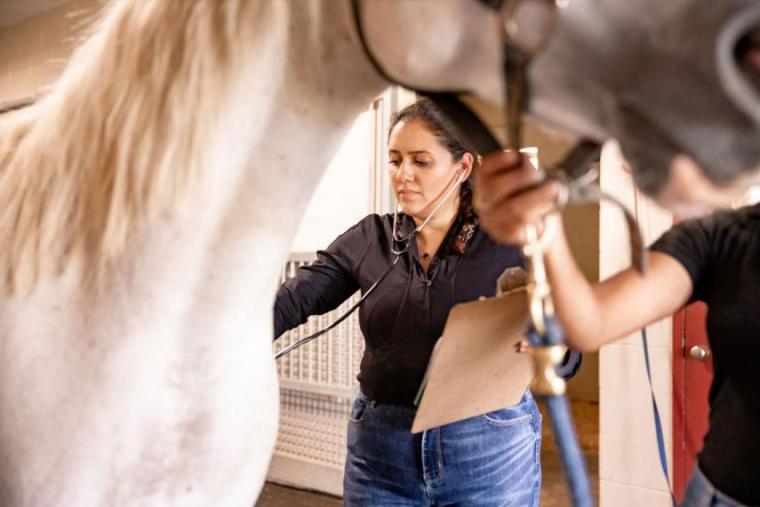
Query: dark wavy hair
x,y
425,111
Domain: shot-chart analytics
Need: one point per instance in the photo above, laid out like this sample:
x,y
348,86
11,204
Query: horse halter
x,y
519,45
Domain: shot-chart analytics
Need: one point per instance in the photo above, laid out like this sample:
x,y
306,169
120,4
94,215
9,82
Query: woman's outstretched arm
x,y
595,314
325,284
509,198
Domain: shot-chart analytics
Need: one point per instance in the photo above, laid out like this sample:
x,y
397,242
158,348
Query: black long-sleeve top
x,y
406,314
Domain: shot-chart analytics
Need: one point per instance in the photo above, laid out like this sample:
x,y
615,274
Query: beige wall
x,y
34,52
629,469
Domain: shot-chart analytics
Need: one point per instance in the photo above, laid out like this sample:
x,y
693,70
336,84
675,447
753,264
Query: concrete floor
x,y
275,495
553,493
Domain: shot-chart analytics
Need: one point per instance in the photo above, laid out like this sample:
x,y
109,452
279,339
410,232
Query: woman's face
x,y
421,168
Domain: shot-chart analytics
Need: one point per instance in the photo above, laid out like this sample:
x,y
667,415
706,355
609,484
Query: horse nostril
x,y
738,60
747,54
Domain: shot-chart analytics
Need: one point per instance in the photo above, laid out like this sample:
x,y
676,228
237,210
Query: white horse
x,y
147,206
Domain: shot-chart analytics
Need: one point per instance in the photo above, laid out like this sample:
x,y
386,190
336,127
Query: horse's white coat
x,y
159,387
152,381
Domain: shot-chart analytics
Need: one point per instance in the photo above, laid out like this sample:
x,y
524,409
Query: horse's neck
x,y
304,80
184,318
211,96
307,82
282,123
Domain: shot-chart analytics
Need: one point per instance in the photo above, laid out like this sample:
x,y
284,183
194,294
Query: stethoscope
x,y
400,245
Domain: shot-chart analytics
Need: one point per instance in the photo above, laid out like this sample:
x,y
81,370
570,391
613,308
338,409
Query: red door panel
x,y
692,375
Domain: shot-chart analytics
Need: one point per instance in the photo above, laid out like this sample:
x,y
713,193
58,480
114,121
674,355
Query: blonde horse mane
x,y
120,137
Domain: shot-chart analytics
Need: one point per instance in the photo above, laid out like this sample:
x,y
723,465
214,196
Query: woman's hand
x,y
509,196
522,346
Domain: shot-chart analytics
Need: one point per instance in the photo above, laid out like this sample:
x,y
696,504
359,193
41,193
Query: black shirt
x,y
404,317
722,255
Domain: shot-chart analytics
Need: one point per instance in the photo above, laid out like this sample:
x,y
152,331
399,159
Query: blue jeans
x,y
701,493
491,460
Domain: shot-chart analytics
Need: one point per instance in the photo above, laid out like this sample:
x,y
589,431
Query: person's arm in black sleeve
x,y
322,286
690,243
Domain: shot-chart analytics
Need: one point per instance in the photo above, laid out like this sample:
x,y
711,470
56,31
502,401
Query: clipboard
x,y
475,368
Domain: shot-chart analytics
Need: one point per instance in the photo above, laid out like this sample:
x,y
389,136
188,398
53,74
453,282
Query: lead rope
x,y
583,191
544,333
548,349
657,419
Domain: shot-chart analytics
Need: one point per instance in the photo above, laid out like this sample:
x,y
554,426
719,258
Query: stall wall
x,y
34,52
629,468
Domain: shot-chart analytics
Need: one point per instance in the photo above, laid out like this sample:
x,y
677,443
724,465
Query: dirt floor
x,y
553,493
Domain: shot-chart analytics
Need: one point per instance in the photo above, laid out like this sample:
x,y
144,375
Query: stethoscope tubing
x,y
406,241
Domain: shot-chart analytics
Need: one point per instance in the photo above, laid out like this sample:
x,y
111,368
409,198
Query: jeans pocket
x,y
521,413
359,408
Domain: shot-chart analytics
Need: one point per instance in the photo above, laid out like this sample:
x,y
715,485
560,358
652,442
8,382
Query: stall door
x,y
692,375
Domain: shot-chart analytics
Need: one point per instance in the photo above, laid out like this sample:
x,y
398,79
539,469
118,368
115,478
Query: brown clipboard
x,y
475,367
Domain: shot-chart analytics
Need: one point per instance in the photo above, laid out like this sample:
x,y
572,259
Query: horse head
x,y
674,82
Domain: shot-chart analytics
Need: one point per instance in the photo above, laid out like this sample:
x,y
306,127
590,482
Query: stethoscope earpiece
x,y
395,238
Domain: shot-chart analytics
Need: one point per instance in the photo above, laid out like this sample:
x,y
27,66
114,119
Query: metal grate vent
x,y
317,385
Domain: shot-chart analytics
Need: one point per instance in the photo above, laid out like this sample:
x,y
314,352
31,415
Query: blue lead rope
x,y
562,424
569,450
657,419
564,430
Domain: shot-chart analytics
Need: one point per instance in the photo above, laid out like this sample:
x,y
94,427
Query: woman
x,y
482,461
715,259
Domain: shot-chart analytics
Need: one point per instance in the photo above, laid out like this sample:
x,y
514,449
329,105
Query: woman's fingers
x,y
509,196
522,346
500,161
506,221
500,173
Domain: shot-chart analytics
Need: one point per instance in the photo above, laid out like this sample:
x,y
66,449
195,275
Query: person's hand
x,y
522,346
509,196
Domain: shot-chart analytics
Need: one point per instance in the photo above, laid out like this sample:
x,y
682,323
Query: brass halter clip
x,y
526,27
545,381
